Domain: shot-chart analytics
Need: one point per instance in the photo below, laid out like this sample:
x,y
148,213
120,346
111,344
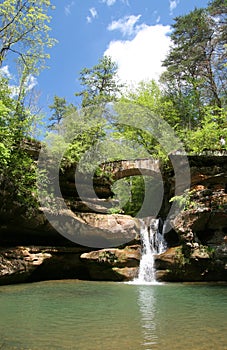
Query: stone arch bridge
x,y
125,168
151,166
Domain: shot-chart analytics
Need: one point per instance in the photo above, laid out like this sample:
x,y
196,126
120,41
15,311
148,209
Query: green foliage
x,y
18,173
184,253
196,73
130,192
195,80
206,136
147,97
59,109
24,32
78,135
107,257
115,210
100,82
185,200
190,101
137,192
144,118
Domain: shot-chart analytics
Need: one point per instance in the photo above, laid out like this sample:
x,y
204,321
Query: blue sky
x,y
135,33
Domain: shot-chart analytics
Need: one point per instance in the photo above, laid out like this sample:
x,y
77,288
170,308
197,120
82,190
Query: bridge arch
x,y
124,168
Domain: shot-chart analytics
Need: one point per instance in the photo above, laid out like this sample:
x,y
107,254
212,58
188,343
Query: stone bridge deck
x,y
124,168
150,166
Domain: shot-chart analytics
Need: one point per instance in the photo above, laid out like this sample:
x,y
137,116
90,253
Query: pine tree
x,y
100,83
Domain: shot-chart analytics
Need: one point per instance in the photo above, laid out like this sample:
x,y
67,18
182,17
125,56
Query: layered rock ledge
x,y
32,250
198,243
30,264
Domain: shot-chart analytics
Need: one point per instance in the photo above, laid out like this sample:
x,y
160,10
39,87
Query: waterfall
x,y
152,242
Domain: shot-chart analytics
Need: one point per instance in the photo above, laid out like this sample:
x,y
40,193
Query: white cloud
x,y
112,2
126,25
68,8
15,90
4,71
93,14
31,82
172,5
109,2
141,58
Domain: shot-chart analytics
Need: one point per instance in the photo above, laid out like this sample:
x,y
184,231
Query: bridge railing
x,y
210,153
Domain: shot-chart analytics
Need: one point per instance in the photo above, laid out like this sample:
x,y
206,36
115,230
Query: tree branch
x,y
14,18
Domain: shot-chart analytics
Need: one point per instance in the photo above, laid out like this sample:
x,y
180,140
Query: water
x,y
95,315
152,243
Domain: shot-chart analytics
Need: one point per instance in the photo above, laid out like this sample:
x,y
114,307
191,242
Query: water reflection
x,y
148,309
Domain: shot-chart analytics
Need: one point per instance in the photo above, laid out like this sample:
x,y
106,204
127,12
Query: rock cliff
x,y
198,243
32,250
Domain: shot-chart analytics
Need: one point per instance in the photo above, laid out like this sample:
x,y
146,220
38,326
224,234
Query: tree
x,y
59,108
6,137
149,95
218,10
88,127
207,135
24,31
100,82
17,168
147,109
196,61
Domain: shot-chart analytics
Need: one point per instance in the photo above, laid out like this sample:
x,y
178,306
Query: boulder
x,y
190,263
113,264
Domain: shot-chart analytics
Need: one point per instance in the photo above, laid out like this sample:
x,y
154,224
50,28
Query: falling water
x,y
153,243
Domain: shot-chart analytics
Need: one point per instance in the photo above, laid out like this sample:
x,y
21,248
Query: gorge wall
x,y
198,243
32,250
